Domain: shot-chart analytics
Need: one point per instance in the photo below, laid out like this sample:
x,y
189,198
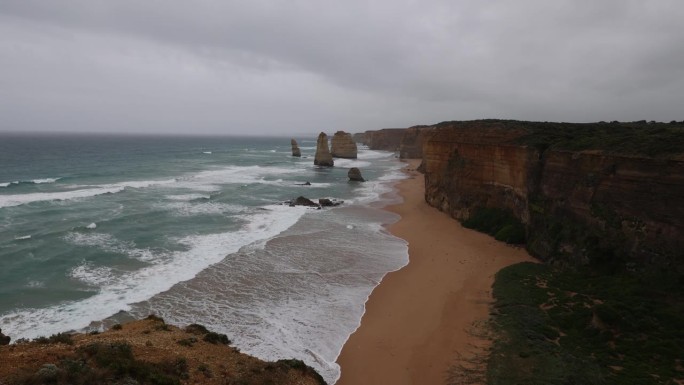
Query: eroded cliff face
x,y
411,145
387,139
359,137
577,206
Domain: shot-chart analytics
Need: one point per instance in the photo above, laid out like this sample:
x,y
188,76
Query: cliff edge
x,y
144,352
584,193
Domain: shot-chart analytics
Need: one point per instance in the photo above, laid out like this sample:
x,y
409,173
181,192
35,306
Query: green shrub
x,y
558,344
216,338
204,369
153,317
59,338
502,224
187,341
196,329
512,233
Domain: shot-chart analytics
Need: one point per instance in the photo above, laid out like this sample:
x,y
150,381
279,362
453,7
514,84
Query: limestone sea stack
x,y
323,157
295,148
354,174
343,145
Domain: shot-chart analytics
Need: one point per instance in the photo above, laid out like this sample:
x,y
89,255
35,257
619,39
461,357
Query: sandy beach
x,y
416,320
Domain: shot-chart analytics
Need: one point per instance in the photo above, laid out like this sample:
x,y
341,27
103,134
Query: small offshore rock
x,y
302,201
325,202
354,174
4,340
295,148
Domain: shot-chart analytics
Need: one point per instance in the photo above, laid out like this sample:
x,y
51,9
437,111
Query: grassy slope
x,y
579,327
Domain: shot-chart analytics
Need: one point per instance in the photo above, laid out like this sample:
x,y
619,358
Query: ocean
x,y
96,230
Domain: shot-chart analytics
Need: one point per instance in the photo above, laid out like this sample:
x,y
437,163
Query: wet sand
x,y
417,319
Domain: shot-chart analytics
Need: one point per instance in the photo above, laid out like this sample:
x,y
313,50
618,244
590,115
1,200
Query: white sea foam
x,y
92,226
22,238
45,180
92,275
34,181
371,191
346,163
35,284
186,209
206,152
109,243
118,291
278,302
211,180
373,154
81,192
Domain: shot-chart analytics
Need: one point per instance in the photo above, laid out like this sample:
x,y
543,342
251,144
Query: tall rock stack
x,y
295,148
343,146
323,156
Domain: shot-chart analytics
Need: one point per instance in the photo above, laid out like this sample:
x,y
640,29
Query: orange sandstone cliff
x,y
387,139
602,192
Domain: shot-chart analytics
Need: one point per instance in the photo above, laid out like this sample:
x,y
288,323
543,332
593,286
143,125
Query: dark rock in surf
x,y
302,201
4,340
354,174
325,202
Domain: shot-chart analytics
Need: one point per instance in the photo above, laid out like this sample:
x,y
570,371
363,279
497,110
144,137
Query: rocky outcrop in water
x,y
323,156
343,146
354,174
581,197
295,148
322,202
302,201
4,340
326,202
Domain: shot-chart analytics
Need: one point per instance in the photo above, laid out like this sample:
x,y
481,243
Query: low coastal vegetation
x,y
581,326
500,223
643,138
146,352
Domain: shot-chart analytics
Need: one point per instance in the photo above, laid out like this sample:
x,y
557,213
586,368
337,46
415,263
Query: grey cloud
x,y
283,66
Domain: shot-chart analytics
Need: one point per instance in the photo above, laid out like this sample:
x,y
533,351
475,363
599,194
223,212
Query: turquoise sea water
x,y
100,229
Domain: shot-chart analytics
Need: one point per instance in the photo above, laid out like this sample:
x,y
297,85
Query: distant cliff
x,y
388,139
603,192
411,146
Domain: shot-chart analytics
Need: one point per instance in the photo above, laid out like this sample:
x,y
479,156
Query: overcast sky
x,y
298,66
